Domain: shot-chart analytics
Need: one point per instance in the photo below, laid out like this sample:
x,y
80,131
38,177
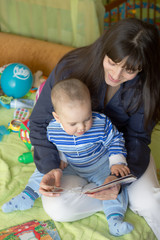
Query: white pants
x,y
144,199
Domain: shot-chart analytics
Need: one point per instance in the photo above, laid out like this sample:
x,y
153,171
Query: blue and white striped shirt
x,y
101,139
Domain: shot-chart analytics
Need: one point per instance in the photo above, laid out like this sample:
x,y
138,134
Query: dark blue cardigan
x,y
137,139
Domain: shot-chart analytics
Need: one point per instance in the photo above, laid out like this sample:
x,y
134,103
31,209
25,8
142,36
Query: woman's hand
x,y
49,181
108,194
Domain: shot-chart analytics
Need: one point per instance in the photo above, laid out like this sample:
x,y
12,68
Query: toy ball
x,y
16,80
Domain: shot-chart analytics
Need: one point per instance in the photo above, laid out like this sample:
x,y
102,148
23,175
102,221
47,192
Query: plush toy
x,y
38,79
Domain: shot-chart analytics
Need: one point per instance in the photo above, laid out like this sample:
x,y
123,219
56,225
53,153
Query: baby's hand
x,y
63,165
120,169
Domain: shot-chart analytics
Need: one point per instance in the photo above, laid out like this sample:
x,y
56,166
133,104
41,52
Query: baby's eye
x,y
87,119
72,124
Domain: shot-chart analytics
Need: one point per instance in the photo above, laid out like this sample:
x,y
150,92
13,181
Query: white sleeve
x,y
117,159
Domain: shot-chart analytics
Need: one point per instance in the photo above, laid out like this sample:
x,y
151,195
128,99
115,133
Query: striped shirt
x,y
101,139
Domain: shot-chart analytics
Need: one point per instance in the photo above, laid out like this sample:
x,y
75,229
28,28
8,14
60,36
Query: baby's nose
x,y
81,127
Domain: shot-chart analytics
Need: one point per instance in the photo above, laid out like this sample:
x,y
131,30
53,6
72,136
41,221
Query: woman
x,y
122,72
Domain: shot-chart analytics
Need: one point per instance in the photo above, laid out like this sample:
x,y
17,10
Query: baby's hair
x,y
69,89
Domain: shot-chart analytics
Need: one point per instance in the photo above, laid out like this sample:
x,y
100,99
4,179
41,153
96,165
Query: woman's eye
x,y
129,71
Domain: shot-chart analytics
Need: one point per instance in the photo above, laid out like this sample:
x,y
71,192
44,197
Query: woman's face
x,y
115,74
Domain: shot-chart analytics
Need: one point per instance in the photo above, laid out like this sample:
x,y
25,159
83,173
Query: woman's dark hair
x,y
131,38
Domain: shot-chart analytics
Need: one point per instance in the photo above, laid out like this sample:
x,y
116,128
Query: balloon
x,y
16,80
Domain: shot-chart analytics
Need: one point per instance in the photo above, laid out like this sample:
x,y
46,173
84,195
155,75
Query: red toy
x,y
24,134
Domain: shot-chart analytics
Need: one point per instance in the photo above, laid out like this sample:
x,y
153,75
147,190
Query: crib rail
x,y
147,10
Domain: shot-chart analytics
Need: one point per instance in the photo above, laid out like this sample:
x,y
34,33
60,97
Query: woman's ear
x,y
56,116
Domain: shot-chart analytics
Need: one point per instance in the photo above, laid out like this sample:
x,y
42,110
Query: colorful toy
x,y
40,90
21,113
24,130
22,103
16,80
33,90
8,103
5,101
151,12
26,158
24,134
14,125
3,131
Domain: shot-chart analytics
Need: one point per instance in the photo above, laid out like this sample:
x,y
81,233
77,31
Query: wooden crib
x,y
147,10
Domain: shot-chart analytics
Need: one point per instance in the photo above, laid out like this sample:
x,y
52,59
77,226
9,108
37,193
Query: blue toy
x,y
5,101
3,131
16,80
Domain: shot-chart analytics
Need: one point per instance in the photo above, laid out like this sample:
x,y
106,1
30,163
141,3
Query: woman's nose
x,y
117,73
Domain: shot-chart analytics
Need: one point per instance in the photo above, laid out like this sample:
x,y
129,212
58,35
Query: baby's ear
x,y
56,116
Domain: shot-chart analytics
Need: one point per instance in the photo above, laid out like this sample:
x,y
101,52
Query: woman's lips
x,y
112,79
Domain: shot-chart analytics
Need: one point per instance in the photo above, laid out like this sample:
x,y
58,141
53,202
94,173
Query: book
x,y
121,180
50,227
44,230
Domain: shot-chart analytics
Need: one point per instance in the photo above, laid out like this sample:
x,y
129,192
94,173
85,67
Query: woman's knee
x,y
145,192
146,200
64,207
56,208
69,207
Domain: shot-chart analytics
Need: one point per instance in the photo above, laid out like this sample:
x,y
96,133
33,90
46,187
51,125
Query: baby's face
x,y
76,118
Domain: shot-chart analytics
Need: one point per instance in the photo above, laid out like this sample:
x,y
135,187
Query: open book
x,y
121,180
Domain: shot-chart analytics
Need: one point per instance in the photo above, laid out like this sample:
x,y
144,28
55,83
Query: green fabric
x,y
155,147
14,177
70,22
